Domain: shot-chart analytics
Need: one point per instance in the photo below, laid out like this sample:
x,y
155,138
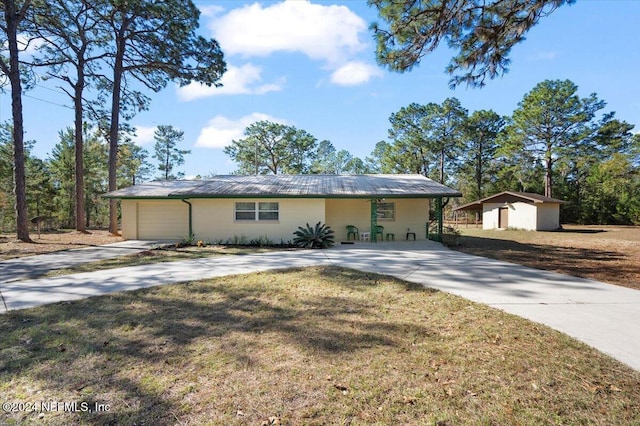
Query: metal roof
x,y
507,196
299,186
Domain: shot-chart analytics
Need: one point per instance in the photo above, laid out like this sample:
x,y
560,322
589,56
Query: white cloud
x,y
211,10
220,131
330,33
27,45
354,73
542,56
244,80
144,135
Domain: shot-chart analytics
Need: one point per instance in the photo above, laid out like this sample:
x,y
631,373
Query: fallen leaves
x,y
271,421
341,388
598,388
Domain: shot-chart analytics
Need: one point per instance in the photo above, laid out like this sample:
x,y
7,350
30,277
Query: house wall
x,y
524,216
214,219
129,219
548,217
340,213
521,215
410,213
490,215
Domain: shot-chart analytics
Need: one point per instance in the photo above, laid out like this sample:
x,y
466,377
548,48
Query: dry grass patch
x,y
315,346
605,253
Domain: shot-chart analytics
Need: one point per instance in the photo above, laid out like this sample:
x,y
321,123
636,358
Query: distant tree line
x,y
274,148
50,182
555,143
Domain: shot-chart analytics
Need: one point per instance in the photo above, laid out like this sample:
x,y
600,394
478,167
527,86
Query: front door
x,y
503,218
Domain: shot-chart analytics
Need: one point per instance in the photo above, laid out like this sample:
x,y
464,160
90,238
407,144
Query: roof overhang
x,y
511,197
476,206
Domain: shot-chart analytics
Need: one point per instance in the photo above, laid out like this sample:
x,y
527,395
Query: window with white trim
x,y
386,211
261,211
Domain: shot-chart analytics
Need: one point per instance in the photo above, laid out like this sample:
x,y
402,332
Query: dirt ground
x,y
604,253
52,241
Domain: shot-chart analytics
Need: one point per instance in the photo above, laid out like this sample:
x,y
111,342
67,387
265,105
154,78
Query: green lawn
x,y
304,346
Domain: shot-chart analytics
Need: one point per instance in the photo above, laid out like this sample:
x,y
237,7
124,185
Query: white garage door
x,y
163,220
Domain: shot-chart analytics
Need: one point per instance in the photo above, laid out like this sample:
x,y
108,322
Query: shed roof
x,y
298,186
511,196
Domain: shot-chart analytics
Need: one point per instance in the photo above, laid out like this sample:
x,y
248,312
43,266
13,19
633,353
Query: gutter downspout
x,y
190,217
374,220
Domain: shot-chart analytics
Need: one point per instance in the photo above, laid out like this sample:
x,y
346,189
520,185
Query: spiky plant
x,y
320,236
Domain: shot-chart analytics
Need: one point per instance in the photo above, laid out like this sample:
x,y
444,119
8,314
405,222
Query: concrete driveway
x,y
31,266
602,315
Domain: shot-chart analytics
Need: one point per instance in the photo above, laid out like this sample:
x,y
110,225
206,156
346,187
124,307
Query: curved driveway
x,y
602,315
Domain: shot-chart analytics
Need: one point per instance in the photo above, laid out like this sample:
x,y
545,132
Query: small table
x,y
413,234
364,236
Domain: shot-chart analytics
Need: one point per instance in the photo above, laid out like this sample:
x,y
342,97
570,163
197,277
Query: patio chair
x,y
378,230
353,230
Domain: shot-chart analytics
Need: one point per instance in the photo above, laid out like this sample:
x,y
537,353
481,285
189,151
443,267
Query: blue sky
x,y
312,65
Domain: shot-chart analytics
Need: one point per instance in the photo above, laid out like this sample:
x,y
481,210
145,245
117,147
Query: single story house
x,y
518,210
230,207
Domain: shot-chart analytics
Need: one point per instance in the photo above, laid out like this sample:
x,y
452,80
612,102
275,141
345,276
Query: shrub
x,y
187,241
261,241
241,240
320,236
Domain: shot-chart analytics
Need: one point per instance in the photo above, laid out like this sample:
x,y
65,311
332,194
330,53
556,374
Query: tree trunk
x,y
166,164
114,131
442,166
13,18
88,215
479,167
79,151
547,175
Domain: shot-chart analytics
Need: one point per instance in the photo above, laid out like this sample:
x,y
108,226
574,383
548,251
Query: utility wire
x,y
60,92
48,102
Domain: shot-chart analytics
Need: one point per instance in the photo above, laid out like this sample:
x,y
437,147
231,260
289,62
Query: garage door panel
x,y
163,221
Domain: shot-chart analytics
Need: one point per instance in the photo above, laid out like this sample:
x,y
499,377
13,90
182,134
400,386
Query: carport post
x,y
190,219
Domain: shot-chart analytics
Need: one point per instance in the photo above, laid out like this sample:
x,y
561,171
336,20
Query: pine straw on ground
x,y
53,241
605,253
314,346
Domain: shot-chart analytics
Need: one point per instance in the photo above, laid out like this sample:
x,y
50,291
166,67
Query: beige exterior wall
x,y
129,219
410,214
214,219
340,213
548,217
490,215
531,217
524,216
521,216
155,219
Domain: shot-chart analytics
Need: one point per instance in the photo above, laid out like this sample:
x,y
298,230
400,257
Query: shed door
x,y
163,220
503,218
